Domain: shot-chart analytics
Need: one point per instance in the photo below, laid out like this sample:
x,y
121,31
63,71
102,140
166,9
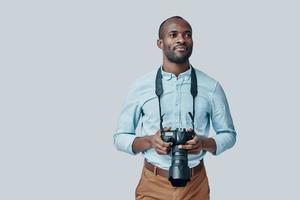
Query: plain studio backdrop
x,y
66,67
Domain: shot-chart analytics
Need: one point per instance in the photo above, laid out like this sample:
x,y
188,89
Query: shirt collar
x,y
168,76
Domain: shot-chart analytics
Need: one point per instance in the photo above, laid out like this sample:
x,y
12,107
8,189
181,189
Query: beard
x,y
178,59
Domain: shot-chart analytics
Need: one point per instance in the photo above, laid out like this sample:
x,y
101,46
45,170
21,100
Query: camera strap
x,y
159,91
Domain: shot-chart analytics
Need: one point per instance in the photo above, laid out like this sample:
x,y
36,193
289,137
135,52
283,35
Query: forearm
x,y
141,144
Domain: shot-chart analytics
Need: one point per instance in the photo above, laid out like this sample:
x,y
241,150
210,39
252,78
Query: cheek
x,y
168,46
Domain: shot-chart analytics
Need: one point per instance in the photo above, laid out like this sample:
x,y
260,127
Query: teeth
x,y
181,48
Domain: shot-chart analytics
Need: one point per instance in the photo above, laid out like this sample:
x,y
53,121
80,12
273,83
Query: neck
x,y
175,68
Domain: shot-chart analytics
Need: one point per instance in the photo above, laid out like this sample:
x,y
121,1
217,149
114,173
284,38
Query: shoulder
x,y
144,83
146,79
205,81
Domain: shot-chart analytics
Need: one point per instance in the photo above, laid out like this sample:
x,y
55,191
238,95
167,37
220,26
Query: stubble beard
x,y
172,57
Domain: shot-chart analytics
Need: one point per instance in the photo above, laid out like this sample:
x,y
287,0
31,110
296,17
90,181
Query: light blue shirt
x,y
141,105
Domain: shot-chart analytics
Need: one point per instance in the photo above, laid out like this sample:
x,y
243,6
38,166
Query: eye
x,y
188,35
172,35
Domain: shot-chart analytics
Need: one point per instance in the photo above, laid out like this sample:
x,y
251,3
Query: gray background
x,y
66,67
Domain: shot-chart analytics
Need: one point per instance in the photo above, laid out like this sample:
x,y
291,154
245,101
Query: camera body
x,y
179,171
177,136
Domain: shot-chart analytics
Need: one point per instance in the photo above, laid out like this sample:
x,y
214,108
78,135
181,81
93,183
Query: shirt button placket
x,y
178,88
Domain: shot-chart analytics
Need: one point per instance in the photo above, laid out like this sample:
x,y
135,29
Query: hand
x,y
193,146
159,145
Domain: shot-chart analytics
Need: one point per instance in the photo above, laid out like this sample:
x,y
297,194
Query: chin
x,y
180,61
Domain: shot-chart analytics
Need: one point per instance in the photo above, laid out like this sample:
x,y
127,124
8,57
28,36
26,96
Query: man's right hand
x,y
159,145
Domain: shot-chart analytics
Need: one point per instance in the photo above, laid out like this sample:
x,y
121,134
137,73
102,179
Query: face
x,y
176,42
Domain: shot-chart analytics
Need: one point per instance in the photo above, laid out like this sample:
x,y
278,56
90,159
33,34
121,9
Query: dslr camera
x,y
179,171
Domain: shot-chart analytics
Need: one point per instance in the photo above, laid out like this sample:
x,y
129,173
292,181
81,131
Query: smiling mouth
x,y
181,48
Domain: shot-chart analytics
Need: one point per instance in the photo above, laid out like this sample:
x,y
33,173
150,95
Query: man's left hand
x,y
193,146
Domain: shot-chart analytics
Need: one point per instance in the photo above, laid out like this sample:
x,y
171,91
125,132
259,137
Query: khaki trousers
x,y
155,187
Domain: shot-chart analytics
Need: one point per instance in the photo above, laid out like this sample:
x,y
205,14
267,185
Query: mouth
x,y
180,48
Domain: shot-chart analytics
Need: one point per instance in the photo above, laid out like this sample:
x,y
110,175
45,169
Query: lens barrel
x,y
179,172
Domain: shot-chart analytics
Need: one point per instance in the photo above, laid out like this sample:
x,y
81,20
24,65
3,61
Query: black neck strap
x,y
159,91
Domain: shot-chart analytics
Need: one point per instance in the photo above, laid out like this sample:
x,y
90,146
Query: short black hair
x,y
161,27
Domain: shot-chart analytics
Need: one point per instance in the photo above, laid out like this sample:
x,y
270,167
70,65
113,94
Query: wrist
x,y
209,144
141,144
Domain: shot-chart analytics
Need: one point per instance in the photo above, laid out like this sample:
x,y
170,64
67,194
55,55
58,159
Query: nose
x,y
180,38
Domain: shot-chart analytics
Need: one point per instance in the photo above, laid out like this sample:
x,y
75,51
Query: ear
x,y
160,44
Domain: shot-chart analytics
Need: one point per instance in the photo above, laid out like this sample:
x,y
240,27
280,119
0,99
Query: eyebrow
x,y
175,31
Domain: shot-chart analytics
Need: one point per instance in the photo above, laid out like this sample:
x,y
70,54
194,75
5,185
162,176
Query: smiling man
x,y
177,101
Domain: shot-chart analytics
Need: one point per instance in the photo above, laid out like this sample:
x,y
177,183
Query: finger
x,y
192,142
157,139
167,128
195,140
189,146
164,146
189,129
161,147
194,151
186,146
167,144
162,150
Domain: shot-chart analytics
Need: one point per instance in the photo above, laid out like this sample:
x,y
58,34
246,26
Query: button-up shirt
x,y
141,105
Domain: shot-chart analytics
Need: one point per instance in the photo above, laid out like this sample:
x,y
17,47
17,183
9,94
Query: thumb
x,y
167,128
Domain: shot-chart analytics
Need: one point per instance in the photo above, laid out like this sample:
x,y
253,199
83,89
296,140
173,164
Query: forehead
x,y
176,25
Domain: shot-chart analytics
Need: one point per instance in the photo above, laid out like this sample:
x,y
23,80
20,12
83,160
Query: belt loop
x,y
155,170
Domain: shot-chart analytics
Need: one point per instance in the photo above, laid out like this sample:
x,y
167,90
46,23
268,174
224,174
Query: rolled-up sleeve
x,y
128,120
222,122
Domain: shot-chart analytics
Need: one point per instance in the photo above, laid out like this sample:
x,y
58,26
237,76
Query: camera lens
x,y
179,172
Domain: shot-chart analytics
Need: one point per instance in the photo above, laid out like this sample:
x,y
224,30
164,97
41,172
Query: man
x,y
173,110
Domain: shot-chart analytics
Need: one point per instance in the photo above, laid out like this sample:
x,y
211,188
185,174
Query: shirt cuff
x,y
123,142
224,141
